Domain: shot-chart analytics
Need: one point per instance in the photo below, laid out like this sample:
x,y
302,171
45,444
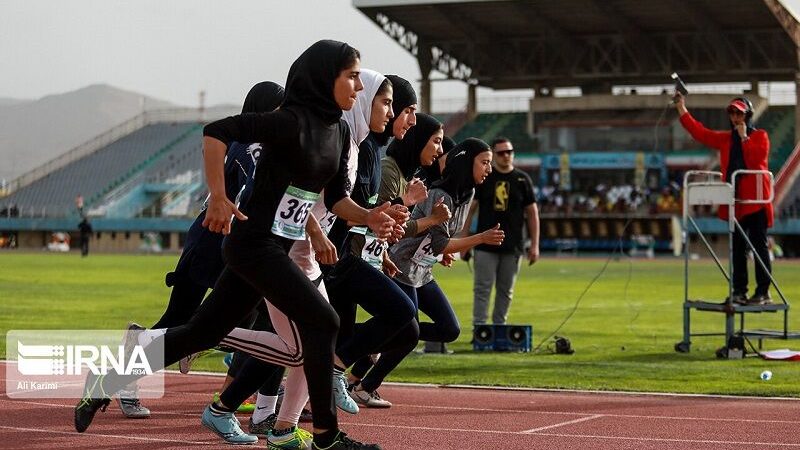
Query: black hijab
x,y
432,173
457,179
406,152
403,96
312,76
263,97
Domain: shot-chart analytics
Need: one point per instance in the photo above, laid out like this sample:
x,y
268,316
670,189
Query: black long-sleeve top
x,y
299,150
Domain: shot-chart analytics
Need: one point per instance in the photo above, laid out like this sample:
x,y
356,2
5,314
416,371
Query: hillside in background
x,y
33,132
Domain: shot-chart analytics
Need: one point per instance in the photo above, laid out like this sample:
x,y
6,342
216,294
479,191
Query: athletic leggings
x,y
253,372
260,268
429,299
263,376
354,282
184,299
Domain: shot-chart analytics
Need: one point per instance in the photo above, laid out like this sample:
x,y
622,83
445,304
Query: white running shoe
x,y
343,401
368,399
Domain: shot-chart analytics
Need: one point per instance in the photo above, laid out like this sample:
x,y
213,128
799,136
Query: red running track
x,y
426,417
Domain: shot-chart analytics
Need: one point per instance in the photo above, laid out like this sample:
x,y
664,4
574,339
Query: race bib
x,y
373,249
424,255
292,214
359,230
327,221
370,203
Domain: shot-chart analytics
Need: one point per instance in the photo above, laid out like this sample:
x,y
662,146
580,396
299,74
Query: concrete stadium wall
x,y
101,242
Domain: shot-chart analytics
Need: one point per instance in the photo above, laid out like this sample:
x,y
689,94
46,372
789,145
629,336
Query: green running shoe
x,y
297,439
246,407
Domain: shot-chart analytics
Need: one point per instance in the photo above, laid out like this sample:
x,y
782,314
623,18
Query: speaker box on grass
x,y
502,338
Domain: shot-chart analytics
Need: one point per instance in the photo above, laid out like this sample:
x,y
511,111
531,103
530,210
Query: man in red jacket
x,y
743,147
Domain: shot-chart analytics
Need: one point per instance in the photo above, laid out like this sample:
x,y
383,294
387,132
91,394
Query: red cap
x,y
737,105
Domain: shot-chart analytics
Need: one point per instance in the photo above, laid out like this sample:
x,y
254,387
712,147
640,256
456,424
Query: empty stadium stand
x,y
155,151
487,126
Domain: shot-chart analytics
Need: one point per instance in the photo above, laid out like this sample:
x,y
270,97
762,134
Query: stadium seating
x,y
490,125
154,150
779,122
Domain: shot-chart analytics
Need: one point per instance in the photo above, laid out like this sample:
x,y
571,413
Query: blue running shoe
x,y
226,426
343,399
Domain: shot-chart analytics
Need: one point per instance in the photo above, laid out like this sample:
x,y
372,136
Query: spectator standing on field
x,y
506,198
85,229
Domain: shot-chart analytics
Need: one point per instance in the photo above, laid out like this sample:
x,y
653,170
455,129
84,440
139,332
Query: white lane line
x,y
61,405
515,411
683,441
529,389
457,430
625,416
120,436
561,424
580,436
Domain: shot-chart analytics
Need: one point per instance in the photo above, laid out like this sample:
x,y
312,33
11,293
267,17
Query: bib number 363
x,y
292,214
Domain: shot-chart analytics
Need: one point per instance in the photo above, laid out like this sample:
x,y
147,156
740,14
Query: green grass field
x,y
623,331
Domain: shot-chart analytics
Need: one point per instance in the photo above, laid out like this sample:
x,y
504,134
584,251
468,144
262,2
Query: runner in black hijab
x,y
201,263
403,97
458,179
433,173
406,151
304,146
468,165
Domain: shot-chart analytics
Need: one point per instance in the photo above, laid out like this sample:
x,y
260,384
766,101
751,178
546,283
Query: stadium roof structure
x,y
505,44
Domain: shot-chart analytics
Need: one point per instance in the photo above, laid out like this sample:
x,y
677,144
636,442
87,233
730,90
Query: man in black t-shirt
x,y
505,198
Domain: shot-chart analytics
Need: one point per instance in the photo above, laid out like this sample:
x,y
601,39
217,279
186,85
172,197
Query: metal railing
x,y
115,133
81,151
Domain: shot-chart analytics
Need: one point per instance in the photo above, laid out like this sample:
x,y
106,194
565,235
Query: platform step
x,y
703,305
770,334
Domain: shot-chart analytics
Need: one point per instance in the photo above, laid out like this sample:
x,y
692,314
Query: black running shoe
x,y
342,442
94,398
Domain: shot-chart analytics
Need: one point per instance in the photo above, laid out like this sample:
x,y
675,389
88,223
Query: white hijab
x,y
358,117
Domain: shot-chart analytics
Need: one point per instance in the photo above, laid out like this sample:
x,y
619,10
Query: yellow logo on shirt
x,y
501,196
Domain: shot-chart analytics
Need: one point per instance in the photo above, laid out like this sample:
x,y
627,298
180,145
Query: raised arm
x,y
709,138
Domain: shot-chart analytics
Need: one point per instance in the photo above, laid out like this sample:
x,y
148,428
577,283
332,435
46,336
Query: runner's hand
x,y
399,213
324,249
415,192
397,234
447,259
219,215
493,236
440,211
389,268
380,222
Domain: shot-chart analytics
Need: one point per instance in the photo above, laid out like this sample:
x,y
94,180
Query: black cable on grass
x,y
752,347
586,289
611,256
637,311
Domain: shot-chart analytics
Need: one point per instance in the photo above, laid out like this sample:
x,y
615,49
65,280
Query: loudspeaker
x,y
502,338
483,338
